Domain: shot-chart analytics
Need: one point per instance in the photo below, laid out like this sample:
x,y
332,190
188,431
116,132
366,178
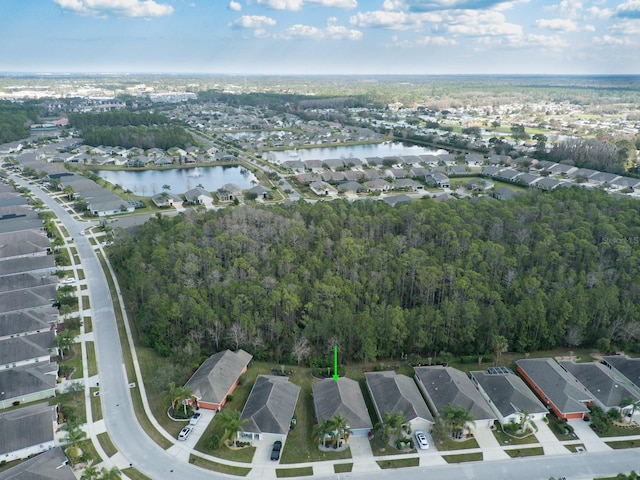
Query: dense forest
x,y
130,129
288,282
15,119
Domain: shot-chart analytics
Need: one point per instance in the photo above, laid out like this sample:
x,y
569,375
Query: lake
x,y
386,149
147,183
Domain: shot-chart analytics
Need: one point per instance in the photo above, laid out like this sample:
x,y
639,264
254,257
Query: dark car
x,y
275,451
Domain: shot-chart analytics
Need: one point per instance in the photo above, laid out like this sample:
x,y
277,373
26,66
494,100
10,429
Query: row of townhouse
x,y
28,323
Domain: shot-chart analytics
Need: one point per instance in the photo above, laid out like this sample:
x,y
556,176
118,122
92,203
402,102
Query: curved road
x,y
146,456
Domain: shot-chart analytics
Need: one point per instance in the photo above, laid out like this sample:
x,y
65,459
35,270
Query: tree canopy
x,y
540,271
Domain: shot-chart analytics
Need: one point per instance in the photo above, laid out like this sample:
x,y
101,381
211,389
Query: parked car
x,y
421,440
69,280
195,418
275,451
185,432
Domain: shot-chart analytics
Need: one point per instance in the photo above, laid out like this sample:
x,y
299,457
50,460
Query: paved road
x,y
145,455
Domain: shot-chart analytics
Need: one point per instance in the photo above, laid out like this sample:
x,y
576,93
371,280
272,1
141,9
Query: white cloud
x,y
563,25
629,9
253,21
609,40
331,32
235,6
567,8
439,41
336,3
121,8
282,4
600,13
627,27
393,20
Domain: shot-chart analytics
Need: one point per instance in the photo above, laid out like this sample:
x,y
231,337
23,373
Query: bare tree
x,y
573,337
301,349
237,335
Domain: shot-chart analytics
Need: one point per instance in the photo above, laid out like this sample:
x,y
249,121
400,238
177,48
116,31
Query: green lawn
x,y
574,447
343,467
624,444
525,452
558,429
450,444
294,472
96,406
73,359
91,358
617,431
86,303
219,467
135,474
463,457
88,326
107,445
399,463
505,439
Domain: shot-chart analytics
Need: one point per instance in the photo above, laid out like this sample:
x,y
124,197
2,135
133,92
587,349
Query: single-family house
x,y
490,171
27,431
350,187
547,183
49,465
333,163
261,192
392,393
439,179
407,184
420,173
314,165
394,200
373,161
342,397
229,192
607,388
507,395
27,383
198,196
442,386
603,178
296,165
528,179
560,391
480,184
26,349
323,189
627,366
268,412
582,174
378,185
508,174
504,193
626,182
217,378
24,322
167,199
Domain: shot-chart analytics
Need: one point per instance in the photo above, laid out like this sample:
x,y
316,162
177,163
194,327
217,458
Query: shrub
x,y
214,442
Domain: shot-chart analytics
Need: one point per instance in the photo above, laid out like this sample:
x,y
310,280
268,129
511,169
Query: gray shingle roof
x,y
26,347
22,243
28,264
508,393
26,427
629,367
27,321
49,465
342,397
28,379
397,393
559,387
271,405
217,374
601,382
449,386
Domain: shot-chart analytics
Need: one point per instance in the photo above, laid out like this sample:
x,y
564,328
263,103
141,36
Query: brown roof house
x,y
556,387
218,377
269,409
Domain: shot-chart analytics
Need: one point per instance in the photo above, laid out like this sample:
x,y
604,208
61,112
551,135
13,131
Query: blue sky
x,y
321,36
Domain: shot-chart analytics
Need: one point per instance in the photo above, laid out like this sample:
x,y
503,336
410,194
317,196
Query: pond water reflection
x,y
147,183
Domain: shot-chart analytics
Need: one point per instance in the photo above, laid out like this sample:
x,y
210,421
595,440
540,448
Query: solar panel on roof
x,y
499,371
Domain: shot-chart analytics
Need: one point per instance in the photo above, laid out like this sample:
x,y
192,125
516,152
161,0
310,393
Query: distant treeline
x,y
130,129
280,102
543,270
595,154
15,119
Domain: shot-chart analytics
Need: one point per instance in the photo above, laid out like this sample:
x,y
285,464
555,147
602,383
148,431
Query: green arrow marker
x,y
335,363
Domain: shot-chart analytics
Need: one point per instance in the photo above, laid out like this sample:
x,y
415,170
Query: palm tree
x,y
457,417
63,342
633,403
340,428
499,345
166,186
321,430
90,473
111,474
75,435
232,424
179,395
